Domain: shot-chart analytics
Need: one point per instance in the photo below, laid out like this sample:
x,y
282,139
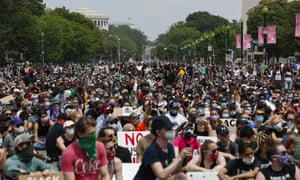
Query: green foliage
x,y
204,21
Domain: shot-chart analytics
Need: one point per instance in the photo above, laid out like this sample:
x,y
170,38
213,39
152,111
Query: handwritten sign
x,y
201,139
129,139
231,124
202,175
52,176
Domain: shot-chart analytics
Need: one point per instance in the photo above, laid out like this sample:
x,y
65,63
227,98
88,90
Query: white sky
x,y
153,17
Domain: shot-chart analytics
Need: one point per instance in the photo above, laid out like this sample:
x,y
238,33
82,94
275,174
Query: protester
x,y
158,160
41,129
85,158
24,162
280,167
208,160
114,163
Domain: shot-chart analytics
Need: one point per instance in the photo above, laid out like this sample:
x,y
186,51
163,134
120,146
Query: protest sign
x,y
52,176
231,124
201,139
202,175
129,139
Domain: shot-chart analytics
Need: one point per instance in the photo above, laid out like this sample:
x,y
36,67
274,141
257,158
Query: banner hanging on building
x,y
271,37
297,25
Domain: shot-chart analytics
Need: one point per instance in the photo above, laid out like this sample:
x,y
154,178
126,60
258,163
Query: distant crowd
x,y
67,117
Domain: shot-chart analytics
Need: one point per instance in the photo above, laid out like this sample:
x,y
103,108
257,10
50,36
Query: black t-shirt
x,y
232,149
54,132
124,154
287,173
236,166
263,163
154,154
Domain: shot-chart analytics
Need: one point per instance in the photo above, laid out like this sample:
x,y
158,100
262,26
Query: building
x,y
99,19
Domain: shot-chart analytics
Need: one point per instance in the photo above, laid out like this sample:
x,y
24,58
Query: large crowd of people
x,y
69,112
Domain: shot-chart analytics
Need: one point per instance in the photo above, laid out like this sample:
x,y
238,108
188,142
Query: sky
x,y
153,17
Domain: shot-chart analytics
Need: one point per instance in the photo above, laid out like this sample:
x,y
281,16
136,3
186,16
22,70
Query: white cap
x,y
68,123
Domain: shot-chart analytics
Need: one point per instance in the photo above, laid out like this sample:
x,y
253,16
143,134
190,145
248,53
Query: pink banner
x,y
260,35
238,41
247,41
271,37
297,25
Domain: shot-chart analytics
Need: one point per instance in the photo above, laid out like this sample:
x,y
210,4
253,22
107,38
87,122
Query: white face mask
x,y
45,119
70,131
170,134
19,130
248,161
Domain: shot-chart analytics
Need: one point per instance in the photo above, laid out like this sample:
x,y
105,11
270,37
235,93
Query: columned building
x,y
99,19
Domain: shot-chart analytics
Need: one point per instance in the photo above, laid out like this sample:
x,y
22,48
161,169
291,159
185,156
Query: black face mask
x,y
173,112
3,129
26,154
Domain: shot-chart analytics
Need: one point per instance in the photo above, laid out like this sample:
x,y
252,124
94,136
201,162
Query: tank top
x,y
202,163
111,167
277,76
43,130
68,142
296,155
287,172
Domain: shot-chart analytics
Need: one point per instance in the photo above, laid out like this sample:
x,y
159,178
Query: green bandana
x,y
89,145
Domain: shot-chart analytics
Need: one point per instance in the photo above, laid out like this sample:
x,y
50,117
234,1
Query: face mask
x,y
225,115
89,145
19,130
284,159
214,117
260,119
232,113
278,126
47,103
26,154
188,134
170,135
248,161
70,131
173,112
3,129
111,155
214,156
224,105
45,119
214,105
115,126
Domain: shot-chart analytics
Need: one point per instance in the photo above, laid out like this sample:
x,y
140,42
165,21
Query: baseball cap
x,y
16,121
221,129
160,122
23,138
68,123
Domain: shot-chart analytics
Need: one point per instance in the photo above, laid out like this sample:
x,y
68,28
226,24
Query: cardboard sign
x,y
129,139
202,175
7,99
129,170
201,139
123,111
231,124
52,176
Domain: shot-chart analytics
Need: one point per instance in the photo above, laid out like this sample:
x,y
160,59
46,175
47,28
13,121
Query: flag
x,y
238,41
297,25
260,35
271,37
247,41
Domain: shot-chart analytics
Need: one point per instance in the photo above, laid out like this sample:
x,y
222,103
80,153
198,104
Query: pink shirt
x,y
181,143
74,159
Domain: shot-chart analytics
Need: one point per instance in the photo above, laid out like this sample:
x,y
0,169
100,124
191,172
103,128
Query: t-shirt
x,y
35,165
56,131
154,154
181,143
287,172
236,166
74,159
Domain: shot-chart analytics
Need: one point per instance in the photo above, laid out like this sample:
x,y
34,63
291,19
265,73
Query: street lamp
x,y
265,31
119,53
227,44
206,48
212,48
42,50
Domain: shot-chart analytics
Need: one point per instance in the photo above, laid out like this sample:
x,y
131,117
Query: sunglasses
x,y
70,127
8,114
211,150
114,121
